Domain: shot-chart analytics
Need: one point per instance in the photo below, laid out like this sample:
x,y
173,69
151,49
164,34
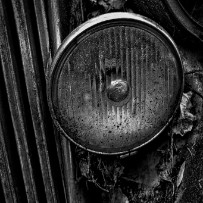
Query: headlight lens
x,y
116,84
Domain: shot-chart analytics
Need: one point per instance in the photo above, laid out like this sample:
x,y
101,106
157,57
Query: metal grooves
x,y
73,193
55,25
10,150
30,68
43,46
17,118
9,194
23,67
42,27
62,142
69,176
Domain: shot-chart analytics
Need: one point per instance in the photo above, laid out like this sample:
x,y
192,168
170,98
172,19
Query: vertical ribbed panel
x,y
30,170
14,98
30,68
8,187
42,28
73,193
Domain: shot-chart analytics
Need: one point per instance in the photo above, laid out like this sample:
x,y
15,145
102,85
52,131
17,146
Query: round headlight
x,y
115,83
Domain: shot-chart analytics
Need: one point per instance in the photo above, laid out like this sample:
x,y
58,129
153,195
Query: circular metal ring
x,y
112,51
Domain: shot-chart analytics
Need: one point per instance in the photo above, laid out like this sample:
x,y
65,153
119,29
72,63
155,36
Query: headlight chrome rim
x,y
84,28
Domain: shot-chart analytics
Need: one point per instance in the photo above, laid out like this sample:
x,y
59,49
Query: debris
x,y
185,106
101,170
182,127
185,121
112,4
165,174
180,175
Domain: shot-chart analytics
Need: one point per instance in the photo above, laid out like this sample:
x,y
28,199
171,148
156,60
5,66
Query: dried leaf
x,y
104,172
165,175
182,127
84,168
180,174
185,106
186,119
112,4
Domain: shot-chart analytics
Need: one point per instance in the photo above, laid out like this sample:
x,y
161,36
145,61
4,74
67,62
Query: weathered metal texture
x,y
7,181
172,17
35,98
65,153
36,162
42,26
15,104
55,25
28,170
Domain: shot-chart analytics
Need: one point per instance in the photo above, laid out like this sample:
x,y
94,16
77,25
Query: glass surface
x,y
122,53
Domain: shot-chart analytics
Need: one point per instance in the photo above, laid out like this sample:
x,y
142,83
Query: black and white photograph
x,y
101,101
